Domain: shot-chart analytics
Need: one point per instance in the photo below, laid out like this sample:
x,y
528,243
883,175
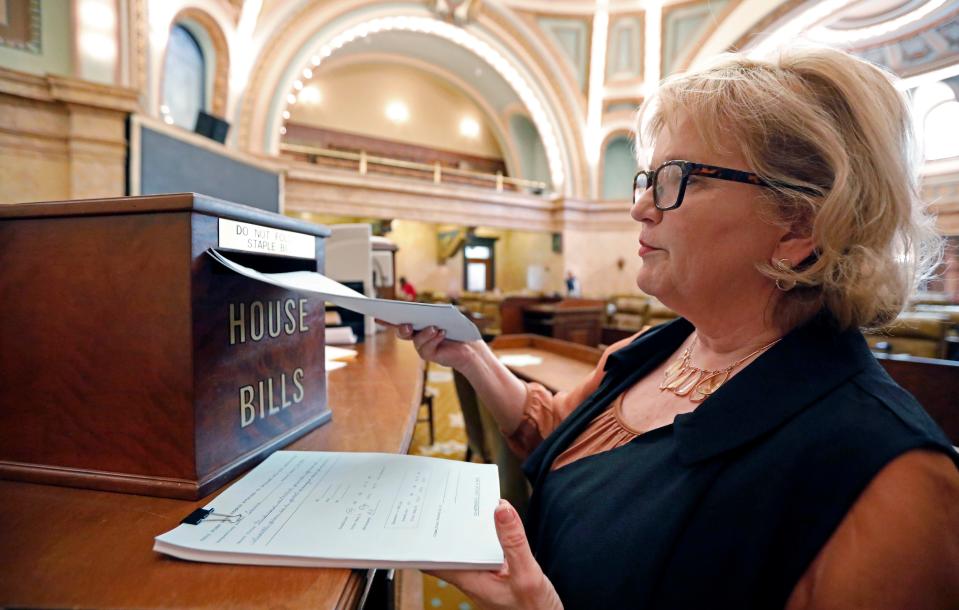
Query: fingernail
x,y
504,513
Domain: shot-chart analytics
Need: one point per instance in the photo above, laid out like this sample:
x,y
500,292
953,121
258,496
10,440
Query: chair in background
x,y
952,334
920,334
659,313
426,400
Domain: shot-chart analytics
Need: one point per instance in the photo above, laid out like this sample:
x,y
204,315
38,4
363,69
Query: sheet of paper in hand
x,y
354,510
457,326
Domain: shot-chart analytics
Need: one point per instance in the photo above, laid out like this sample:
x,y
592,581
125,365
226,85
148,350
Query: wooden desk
x,y
564,364
934,383
576,320
62,547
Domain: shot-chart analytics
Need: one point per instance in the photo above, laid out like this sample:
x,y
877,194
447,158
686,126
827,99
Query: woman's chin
x,y
646,282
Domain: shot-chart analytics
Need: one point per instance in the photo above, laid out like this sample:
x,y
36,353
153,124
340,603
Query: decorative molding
x,y
575,50
459,12
701,10
619,23
52,88
22,28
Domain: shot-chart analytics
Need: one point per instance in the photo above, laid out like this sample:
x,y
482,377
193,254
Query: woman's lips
x,y
645,248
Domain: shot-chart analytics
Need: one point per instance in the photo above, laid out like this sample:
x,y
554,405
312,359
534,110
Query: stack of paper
x,y
357,510
337,357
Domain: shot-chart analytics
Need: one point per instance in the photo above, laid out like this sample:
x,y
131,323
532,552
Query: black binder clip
x,y
208,514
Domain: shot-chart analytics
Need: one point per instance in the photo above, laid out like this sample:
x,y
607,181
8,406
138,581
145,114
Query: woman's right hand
x,y
432,345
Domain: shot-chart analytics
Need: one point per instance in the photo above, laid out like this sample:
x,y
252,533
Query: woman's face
x,y
702,255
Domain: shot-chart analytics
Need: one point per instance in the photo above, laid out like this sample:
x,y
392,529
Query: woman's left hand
x,y
519,584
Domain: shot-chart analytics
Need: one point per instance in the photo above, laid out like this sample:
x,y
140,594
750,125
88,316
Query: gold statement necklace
x,y
683,379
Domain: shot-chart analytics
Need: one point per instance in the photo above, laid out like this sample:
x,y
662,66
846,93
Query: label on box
x,y
247,237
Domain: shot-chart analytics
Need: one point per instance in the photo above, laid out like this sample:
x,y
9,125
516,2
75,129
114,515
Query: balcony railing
x,y
364,164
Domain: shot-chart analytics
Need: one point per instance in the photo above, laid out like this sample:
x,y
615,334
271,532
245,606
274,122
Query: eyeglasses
x,y
669,181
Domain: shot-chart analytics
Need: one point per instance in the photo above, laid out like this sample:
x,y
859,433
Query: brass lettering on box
x,y
290,326
303,327
237,322
275,332
262,394
256,319
297,377
272,318
247,412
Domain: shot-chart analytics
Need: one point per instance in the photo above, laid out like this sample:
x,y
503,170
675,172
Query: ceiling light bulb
x,y
469,127
286,115
397,112
311,95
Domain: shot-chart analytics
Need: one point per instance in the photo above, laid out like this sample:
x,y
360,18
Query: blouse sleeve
x,y
898,547
544,411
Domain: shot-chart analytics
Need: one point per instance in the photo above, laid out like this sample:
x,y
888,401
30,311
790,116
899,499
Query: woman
x,y
753,453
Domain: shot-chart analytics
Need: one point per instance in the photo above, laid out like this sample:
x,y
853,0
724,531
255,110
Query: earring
x,y
782,265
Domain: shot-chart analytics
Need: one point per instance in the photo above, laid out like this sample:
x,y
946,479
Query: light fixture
x,y
290,98
96,14
286,115
469,127
397,112
311,95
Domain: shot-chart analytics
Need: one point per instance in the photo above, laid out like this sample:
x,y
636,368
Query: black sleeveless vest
x,y
727,506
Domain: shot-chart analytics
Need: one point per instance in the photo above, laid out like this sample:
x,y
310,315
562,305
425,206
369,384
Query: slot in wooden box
x,y
132,361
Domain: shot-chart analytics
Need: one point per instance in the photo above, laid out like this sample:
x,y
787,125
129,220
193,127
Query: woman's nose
x,y
643,208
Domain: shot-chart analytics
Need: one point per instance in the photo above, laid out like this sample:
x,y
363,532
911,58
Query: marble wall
x,y
61,138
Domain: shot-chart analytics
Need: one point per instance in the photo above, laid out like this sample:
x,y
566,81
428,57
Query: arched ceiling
x,y
589,63
447,57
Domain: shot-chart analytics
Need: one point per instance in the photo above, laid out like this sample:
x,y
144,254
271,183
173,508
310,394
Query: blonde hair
x,y
836,125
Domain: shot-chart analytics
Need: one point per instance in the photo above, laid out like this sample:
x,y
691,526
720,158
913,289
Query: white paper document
x,y
356,510
457,326
338,353
520,360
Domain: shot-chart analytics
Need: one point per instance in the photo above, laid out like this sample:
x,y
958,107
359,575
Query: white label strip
x,y
248,237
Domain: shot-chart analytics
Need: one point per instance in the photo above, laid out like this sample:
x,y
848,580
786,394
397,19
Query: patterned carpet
x,y
449,443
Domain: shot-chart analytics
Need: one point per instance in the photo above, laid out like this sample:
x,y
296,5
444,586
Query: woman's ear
x,y
794,248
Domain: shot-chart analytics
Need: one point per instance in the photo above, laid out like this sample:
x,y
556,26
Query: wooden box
x,y
131,361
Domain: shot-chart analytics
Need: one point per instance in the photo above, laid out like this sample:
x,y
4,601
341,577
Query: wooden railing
x,y
365,163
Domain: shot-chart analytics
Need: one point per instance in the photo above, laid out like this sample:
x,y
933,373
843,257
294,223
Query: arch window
x,y
937,109
619,167
184,79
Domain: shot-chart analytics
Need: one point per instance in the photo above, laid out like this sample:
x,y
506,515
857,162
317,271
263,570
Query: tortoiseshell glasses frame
x,y
669,181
